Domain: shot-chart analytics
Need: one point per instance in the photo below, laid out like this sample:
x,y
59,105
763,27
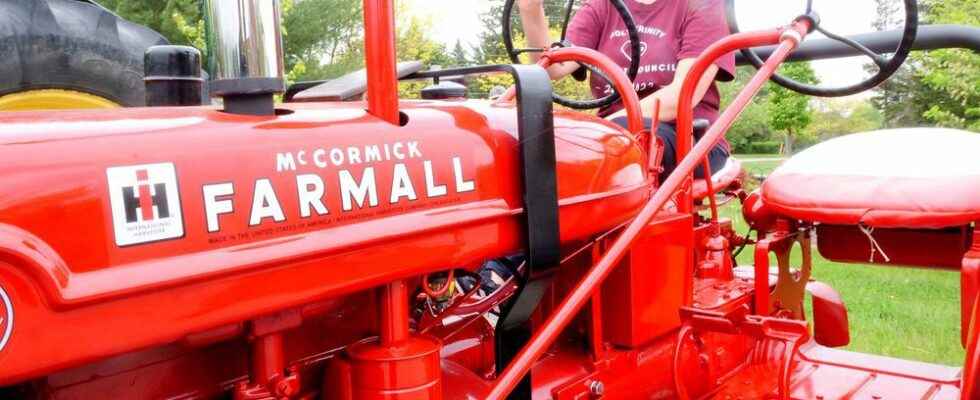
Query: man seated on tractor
x,y
673,34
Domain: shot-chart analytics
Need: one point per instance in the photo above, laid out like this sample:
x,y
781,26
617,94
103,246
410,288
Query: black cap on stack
x,y
172,75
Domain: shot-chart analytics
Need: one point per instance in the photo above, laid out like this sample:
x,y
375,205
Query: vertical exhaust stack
x,y
245,42
380,60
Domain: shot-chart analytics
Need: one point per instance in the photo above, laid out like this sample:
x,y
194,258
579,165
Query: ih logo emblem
x,y
6,318
145,203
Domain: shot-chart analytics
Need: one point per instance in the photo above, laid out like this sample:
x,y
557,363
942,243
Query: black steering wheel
x,y
886,66
635,52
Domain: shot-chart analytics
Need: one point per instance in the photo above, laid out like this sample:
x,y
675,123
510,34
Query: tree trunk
x,y
788,143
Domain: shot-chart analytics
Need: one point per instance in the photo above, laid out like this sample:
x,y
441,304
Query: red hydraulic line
x,y
685,104
268,361
631,101
573,303
710,186
393,312
379,58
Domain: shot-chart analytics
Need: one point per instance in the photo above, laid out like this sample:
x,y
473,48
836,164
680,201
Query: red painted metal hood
x,y
209,218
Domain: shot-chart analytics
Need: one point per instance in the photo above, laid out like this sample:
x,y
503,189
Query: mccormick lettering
x,y
343,156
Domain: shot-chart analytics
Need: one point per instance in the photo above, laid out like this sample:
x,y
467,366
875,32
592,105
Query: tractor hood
x,y
141,207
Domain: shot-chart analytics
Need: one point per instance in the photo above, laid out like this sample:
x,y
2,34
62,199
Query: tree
x,y
491,50
751,130
895,98
323,38
936,88
491,44
953,74
790,112
837,117
415,44
460,58
180,21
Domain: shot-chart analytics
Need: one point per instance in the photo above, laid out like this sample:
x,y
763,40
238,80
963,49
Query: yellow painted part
x,y
53,99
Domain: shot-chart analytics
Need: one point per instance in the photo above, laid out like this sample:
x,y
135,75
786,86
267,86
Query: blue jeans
x,y
667,132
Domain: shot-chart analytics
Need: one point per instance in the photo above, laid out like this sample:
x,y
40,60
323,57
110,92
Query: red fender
x,y
830,323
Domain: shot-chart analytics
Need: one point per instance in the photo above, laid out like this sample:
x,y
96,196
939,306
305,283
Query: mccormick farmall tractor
x,y
457,249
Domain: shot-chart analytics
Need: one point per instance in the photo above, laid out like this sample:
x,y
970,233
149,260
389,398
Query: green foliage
x,y
491,45
481,86
766,147
776,118
790,112
940,87
953,73
836,118
323,38
459,56
753,125
177,20
755,132
414,43
491,51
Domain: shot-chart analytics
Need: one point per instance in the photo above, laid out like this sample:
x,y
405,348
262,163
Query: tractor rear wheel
x,y
70,54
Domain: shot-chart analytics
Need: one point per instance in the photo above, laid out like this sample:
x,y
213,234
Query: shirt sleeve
x,y
585,28
706,24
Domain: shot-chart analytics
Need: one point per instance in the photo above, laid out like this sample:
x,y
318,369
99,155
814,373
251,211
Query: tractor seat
x,y
722,179
921,178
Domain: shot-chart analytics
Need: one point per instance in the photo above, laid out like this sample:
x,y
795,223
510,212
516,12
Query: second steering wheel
x,y
635,52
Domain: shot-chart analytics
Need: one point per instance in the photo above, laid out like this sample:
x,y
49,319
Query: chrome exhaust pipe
x,y
246,54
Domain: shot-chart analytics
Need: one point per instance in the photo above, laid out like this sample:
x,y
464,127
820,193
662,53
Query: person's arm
x,y
668,95
703,25
535,24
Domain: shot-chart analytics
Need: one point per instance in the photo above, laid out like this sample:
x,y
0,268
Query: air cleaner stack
x,y
245,41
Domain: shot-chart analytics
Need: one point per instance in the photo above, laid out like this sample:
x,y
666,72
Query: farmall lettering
x,y
361,177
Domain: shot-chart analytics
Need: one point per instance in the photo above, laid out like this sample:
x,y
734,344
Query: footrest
x,y
779,340
829,374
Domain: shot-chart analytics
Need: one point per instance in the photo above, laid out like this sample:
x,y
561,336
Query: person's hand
x,y
507,97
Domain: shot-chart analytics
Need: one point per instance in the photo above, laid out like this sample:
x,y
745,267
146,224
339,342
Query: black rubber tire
x,y
72,44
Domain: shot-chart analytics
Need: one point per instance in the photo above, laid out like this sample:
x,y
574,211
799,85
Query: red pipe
x,y
573,303
393,313
631,101
685,104
380,61
710,186
268,362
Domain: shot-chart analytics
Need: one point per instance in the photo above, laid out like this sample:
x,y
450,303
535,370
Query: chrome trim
x,y
244,39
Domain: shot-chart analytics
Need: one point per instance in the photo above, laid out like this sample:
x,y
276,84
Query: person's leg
x,y
667,132
718,157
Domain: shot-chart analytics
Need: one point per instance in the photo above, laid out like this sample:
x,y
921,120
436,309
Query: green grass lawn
x,y
757,156
898,312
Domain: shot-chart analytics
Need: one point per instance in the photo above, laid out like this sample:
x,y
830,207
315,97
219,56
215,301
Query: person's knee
x,y
666,130
624,122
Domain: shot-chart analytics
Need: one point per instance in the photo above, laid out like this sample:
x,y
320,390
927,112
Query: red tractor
x,y
339,250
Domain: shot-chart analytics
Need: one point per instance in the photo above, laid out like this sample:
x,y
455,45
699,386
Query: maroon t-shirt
x,y
670,30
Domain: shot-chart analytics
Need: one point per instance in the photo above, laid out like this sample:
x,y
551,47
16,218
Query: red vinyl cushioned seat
x,y
902,178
